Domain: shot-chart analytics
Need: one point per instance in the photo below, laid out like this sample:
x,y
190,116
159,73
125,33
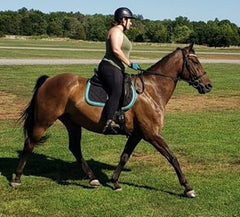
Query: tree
x,y
79,32
156,31
96,27
137,32
181,34
4,20
72,28
33,23
198,35
181,30
182,21
221,34
230,32
55,24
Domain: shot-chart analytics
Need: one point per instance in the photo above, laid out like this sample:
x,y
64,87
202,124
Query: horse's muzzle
x,y
203,88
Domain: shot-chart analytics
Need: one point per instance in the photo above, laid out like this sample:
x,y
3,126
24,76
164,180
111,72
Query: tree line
x,y
214,33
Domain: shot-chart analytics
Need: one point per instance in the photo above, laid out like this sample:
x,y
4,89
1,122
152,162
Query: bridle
x,y
193,78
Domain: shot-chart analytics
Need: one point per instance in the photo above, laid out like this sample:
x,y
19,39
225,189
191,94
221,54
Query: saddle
x,y
95,95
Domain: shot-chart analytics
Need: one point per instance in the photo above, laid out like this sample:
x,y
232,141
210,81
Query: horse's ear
x,y
191,46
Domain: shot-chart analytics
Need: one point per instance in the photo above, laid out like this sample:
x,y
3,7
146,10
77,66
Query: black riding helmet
x,y
123,13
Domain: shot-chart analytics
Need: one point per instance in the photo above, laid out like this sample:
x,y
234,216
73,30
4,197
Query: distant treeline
x,y
94,27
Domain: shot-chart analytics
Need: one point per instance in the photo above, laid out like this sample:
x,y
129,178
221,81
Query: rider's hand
x,y
135,66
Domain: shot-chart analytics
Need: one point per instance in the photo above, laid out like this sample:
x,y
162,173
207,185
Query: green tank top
x,y
110,56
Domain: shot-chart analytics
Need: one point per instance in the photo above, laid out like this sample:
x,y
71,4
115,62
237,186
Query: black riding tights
x,y
112,79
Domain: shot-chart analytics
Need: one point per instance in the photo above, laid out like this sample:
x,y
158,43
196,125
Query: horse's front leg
x,y
129,148
158,142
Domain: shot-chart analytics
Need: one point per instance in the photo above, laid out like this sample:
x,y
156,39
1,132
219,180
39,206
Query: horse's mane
x,y
164,59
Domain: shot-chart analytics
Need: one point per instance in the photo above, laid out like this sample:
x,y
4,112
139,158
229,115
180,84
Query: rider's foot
x,y
111,127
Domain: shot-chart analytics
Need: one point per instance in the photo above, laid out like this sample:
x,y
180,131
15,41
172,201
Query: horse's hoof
x,y
118,189
94,183
15,184
191,194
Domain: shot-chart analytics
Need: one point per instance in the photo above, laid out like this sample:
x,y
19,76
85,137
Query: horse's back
x,y
64,80
63,84
55,92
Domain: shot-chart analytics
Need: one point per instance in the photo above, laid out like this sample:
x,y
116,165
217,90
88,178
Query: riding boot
x,y
111,127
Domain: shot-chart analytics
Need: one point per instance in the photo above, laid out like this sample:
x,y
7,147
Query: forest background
x,y
213,33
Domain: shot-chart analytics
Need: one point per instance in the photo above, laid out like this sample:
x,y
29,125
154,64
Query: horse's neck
x,y
165,85
170,65
160,89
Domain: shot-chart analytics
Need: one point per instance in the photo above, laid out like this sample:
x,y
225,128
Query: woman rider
x,y
111,68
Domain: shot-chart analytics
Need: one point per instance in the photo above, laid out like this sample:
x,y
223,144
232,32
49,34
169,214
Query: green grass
x,y
20,80
68,43
53,184
95,50
36,54
205,142
53,43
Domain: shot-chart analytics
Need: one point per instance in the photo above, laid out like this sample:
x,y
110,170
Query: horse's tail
x,y
28,113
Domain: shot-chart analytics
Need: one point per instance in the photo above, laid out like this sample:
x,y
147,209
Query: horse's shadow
x,y
62,172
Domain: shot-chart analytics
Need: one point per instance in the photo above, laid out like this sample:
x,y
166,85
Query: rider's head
x,y
123,14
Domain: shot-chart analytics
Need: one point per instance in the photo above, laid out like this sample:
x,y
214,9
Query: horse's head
x,y
193,72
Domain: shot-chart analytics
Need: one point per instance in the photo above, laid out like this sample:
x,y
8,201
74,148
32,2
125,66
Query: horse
x,y
62,97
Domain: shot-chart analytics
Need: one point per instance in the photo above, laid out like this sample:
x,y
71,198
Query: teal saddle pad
x,y
95,95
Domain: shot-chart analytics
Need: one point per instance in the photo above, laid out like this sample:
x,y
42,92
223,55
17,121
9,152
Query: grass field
x,y
202,131
52,48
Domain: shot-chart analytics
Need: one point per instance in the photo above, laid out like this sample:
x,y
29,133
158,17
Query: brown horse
x,y
62,97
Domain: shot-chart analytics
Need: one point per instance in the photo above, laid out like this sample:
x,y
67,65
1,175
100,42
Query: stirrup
x,y
111,128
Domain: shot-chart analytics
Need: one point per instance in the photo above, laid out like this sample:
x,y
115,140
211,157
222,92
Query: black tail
x,y
28,114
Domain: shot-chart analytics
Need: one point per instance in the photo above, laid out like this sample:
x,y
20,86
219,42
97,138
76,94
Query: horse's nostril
x,y
209,86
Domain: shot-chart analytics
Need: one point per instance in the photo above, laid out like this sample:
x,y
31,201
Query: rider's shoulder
x,y
115,30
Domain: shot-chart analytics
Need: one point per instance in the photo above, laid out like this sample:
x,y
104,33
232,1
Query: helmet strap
x,y
124,26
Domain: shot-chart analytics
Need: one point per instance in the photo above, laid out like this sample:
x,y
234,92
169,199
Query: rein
x,y
193,80
144,72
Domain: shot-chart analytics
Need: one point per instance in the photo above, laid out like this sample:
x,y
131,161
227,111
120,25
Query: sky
x,y
194,10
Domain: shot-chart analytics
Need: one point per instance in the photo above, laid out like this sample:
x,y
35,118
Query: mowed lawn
x,y
202,131
31,47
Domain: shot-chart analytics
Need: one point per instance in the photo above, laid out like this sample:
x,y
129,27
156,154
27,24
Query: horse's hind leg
x,y
158,142
27,150
74,133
